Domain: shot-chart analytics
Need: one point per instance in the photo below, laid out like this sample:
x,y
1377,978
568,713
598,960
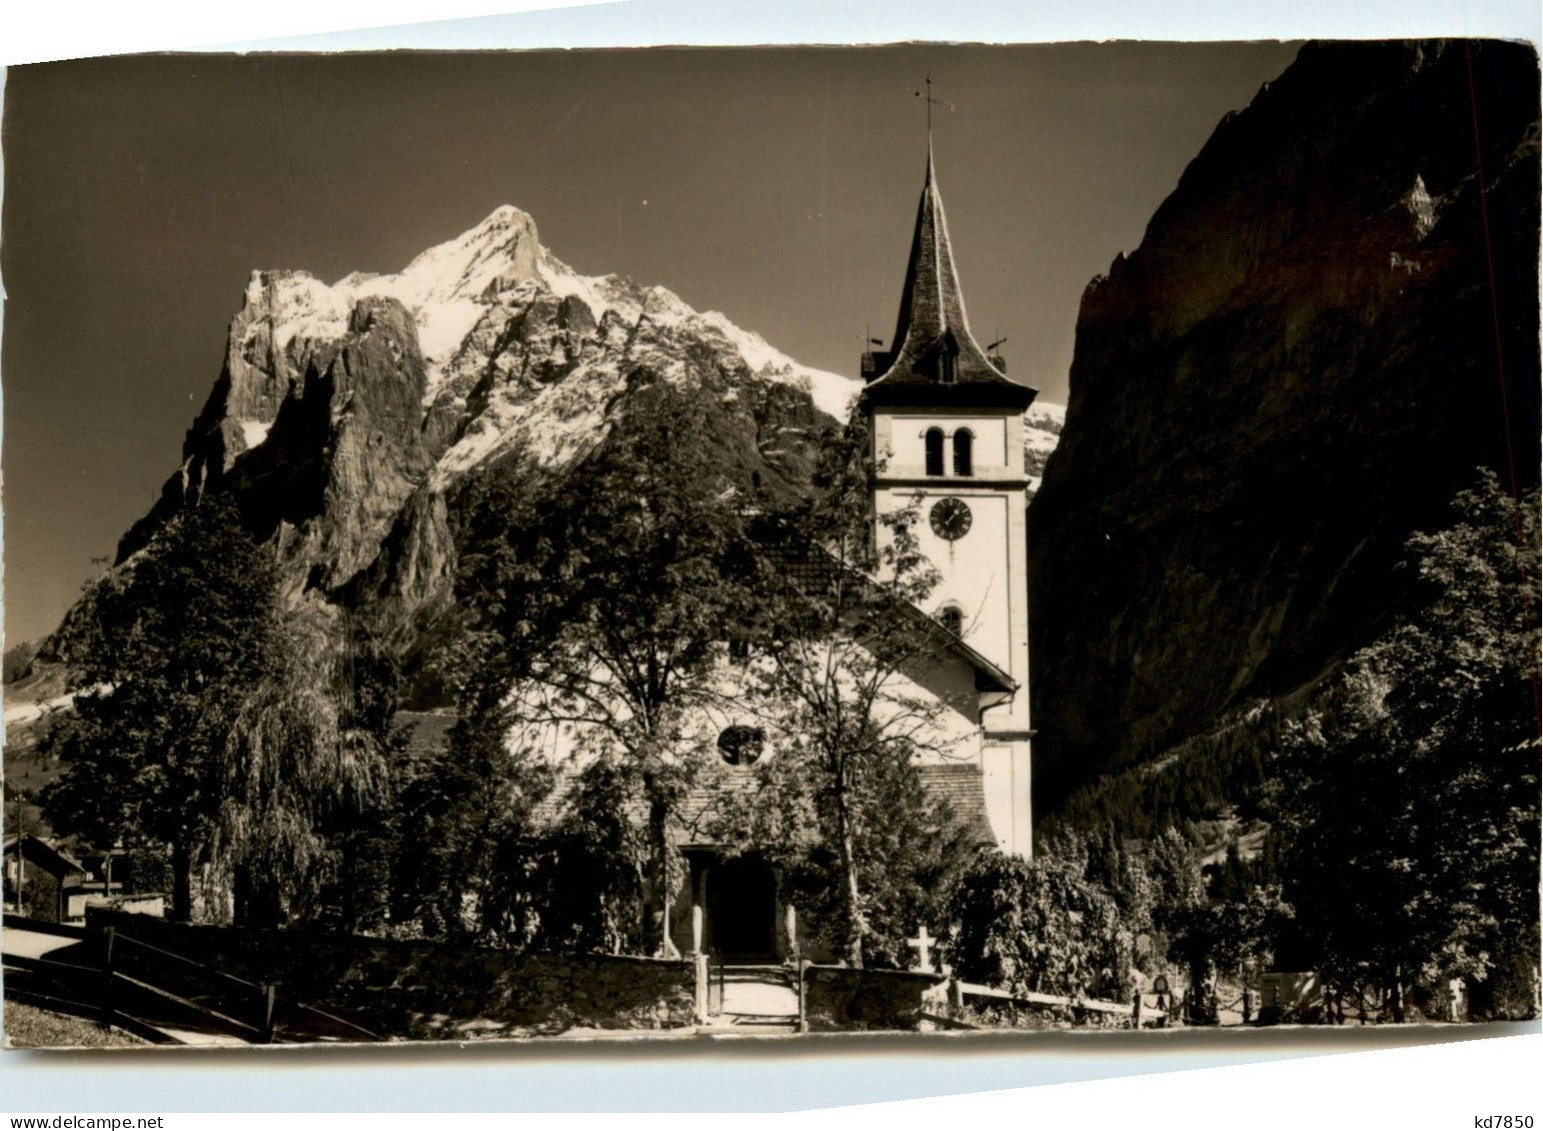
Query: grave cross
x,y
922,944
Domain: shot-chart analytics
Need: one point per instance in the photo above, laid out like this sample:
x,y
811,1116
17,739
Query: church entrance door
x,y
742,910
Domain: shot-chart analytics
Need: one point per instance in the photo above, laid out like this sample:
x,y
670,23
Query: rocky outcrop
x,y
323,469
1328,326
347,419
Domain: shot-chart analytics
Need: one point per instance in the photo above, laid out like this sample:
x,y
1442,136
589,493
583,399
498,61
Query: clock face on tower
x,y
951,519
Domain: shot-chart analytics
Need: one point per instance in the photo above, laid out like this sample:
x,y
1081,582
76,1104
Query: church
x,y
945,425
946,432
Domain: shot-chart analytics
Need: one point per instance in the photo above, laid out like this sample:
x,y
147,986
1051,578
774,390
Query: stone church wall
x,y
841,998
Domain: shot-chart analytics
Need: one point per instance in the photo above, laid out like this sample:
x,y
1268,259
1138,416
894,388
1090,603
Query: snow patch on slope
x,y
20,714
561,422
300,306
598,292
831,392
1042,425
254,432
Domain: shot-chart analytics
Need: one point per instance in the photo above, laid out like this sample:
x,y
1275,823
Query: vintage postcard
x,y
770,541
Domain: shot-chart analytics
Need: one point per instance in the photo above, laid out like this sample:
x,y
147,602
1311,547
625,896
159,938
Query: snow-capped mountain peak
x,y
449,288
1042,425
483,345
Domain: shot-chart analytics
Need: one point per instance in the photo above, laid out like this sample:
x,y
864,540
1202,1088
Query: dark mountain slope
x,y
1328,326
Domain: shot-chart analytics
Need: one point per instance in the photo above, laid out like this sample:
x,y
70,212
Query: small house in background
x,y
40,878
57,887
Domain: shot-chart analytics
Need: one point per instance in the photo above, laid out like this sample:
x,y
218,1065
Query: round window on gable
x,y
951,617
741,745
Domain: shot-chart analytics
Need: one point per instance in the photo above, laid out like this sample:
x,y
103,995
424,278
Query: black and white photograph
x,y
776,542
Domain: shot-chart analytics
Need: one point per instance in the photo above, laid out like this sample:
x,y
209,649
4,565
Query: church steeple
x,y
945,433
933,345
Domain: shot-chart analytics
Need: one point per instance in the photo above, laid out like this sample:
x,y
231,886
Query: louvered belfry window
x,y
934,442
964,454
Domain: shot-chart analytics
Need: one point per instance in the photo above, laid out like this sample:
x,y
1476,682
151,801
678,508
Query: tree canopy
x,y
212,723
598,604
164,655
831,671
1408,799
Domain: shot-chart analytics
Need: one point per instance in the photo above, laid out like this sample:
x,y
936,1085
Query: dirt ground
x,y
29,1027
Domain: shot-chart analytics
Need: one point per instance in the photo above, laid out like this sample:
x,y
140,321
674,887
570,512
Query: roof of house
x,y
44,853
932,327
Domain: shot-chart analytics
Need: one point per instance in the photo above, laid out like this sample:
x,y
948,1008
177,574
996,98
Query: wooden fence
x,y
147,990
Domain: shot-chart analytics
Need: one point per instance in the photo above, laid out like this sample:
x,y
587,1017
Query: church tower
x,y
946,428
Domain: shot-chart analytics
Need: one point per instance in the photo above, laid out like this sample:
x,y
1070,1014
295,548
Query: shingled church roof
x,y
933,346
815,569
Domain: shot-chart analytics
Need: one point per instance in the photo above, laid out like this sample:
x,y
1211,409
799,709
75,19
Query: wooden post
x,y
1135,1008
265,1013
698,911
699,960
802,965
108,937
21,863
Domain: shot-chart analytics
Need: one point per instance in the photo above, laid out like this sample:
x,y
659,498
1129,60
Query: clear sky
x,y
778,185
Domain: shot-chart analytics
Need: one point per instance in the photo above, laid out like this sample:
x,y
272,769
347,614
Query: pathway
x,y
756,999
22,943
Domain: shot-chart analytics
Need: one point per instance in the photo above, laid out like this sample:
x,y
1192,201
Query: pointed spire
x,y
932,343
931,302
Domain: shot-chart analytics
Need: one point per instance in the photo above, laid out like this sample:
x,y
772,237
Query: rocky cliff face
x,y
1328,326
346,416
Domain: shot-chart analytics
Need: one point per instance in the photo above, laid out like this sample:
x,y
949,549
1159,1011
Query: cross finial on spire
x,y
926,96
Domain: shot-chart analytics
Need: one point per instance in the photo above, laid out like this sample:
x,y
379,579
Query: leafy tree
x,y
597,871
1408,798
303,763
1148,881
907,850
599,603
1223,936
215,725
469,847
837,652
164,651
364,828
1038,926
